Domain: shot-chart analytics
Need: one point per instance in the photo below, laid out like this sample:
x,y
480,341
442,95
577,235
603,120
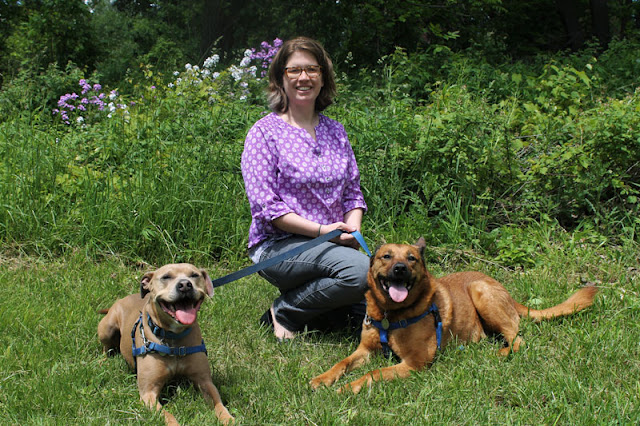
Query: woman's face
x,y
303,90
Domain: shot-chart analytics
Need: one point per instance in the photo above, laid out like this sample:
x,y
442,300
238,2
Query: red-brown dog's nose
x,y
400,269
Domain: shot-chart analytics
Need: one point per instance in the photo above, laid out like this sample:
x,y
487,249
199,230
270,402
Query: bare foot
x,y
279,330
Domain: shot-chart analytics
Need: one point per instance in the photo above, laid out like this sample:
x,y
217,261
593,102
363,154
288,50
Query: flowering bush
x,y
236,82
74,108
266,54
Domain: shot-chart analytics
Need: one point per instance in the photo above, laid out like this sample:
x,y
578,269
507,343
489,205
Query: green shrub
x,y
35,94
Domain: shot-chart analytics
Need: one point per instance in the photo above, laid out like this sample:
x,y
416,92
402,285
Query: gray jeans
x,y
318,285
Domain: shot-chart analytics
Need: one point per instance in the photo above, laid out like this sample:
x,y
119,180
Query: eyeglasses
x,y
311,70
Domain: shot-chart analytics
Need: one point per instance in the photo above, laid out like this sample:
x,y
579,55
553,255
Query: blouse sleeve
x,y
259,166
352,197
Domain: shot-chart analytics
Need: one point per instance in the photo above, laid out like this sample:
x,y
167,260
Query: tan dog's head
x,y
397,274
178,290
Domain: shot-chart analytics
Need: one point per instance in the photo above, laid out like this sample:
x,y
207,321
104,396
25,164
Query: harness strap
x,y
385,326
165,334
151,347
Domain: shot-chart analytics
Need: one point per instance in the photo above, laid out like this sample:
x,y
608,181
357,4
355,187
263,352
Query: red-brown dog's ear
x,y
421,244
207,280
373,255
145,283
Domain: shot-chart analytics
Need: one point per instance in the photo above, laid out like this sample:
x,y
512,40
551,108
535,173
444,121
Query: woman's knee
x,y
354,276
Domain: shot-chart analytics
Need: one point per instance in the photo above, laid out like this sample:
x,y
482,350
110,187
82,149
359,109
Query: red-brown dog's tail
x,y
578,301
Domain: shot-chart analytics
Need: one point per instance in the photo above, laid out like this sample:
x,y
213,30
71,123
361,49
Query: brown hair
x,y
278,101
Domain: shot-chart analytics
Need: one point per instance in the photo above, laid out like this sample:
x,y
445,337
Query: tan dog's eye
x,y
166,277
195,275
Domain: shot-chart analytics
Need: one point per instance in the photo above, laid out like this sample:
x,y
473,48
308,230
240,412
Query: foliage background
x,y
449,146
467,127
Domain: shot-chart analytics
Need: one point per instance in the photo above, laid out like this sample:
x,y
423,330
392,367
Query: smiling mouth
x,y
398,290
184,311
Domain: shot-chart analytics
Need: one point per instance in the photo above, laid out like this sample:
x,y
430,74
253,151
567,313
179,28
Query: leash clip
x,y
367,319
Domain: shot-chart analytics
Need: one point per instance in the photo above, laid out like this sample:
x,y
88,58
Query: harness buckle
x,y
181,351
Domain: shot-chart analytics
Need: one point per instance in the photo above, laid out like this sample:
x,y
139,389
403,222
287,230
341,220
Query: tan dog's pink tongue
x,y
186,315
398,292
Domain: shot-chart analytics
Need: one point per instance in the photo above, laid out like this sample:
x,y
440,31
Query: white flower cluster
x,y
113,107
193,75
211,61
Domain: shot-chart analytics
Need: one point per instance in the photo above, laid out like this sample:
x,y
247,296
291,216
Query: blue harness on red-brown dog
x,y
385,326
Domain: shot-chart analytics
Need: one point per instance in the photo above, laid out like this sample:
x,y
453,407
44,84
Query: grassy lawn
x,y
583,369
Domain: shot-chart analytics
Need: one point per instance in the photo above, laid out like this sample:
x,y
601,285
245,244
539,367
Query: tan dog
x,y
408,307
167,337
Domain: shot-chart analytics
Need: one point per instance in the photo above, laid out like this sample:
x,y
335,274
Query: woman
x,y
302,181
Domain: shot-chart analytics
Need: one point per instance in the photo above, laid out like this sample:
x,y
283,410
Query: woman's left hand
x,y
344,239
348,240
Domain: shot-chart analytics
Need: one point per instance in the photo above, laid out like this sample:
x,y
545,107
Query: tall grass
x,y
141,191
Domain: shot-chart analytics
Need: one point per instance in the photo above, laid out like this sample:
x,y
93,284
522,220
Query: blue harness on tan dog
x,y
151,347
385,326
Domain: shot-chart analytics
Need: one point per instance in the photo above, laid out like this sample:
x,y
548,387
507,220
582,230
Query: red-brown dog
x,y
166,341
414,314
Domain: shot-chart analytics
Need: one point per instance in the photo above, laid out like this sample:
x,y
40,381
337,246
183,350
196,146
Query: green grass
x,y
583,369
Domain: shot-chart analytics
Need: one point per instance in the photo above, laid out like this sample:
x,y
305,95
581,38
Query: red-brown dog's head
x,y
177,291
397,274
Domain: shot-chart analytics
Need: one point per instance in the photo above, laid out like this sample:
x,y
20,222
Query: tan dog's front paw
x,y
227,420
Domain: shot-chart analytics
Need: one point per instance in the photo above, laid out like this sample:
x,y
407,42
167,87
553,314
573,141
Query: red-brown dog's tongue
x,y
398,292
186,314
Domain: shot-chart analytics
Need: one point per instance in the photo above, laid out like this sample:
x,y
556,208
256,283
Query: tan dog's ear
x,y
207,280
145,282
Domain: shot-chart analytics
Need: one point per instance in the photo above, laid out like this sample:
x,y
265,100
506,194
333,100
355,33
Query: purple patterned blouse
x,y
286,171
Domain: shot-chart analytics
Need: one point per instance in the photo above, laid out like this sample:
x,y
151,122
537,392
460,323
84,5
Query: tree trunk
x,y
600,21
569,14
210,28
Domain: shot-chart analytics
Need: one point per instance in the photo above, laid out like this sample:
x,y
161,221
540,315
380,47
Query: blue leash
x,y
287,255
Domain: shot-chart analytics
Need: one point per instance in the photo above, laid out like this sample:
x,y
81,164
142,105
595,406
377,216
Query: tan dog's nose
x,y
184,286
